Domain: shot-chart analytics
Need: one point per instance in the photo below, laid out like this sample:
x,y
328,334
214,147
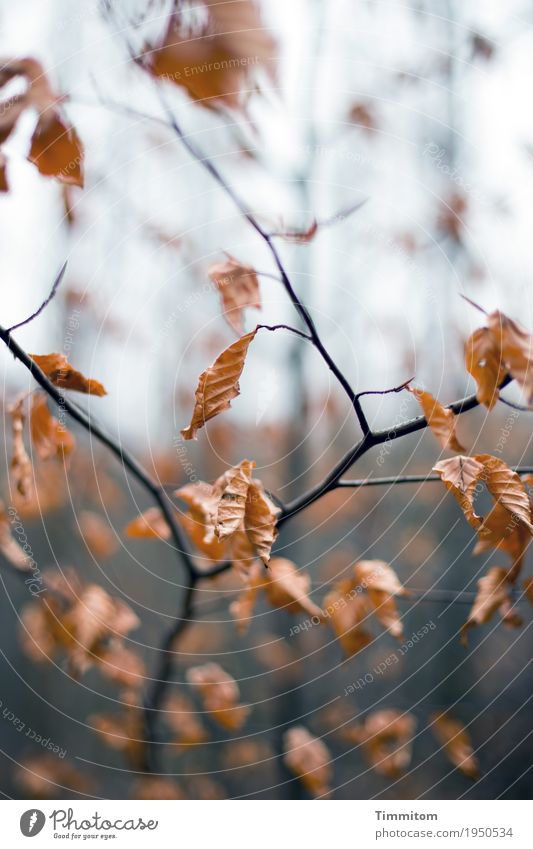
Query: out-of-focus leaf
x,y
214,63
220,695
454,738
49,436
309,759
149,525
21,466
239,288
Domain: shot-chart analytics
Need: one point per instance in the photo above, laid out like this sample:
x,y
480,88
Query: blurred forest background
x,y
423,111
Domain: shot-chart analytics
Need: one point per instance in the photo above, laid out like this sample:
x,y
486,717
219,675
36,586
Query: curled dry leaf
x,y
220,695
148,525
492,593
97,534
21,467
59,371
260,520
460,476
308,758
49,436
454,738
214,62
503,347
387,738
218,385
238,285
442,421
507,488
508,525
231,494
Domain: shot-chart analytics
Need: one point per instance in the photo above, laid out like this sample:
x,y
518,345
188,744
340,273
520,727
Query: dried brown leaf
x,y
218,385
215,63
238,285
56,149
442,421
58,370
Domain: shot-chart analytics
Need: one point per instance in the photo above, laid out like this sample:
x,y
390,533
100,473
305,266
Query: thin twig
x,y
520,407
285,327
45,303
386,391
399,479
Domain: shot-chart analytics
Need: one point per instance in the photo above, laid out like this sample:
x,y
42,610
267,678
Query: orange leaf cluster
x,y
82,621
508,526
236,511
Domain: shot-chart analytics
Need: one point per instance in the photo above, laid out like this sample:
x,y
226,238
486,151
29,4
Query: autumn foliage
x,y
229,527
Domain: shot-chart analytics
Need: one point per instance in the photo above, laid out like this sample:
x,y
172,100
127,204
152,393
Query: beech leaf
x,y
238,285
59,371
218,385
442,421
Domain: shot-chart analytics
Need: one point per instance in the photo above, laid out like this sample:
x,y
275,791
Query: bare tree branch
x,y
45,303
